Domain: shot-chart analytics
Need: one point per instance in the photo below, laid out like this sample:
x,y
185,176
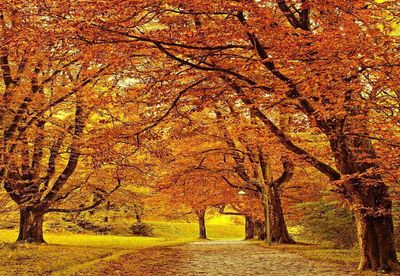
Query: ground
x,y
215,258
67,252
169,253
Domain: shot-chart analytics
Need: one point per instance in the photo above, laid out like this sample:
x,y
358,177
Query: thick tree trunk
x,y
279,231
31,226
376,244
375,228
202,224
138,218
369,195
249,228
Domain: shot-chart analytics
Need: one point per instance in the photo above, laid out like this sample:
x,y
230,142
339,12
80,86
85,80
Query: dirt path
x,y
215,258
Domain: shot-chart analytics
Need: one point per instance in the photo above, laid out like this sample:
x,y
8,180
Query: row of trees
x,y
86,87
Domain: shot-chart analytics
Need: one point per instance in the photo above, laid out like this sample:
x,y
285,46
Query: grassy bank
x,y
347,257
68,253
215,230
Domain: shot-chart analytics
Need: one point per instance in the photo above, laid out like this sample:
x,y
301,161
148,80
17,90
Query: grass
x,y
65,254
44,259
347,257
68,253
215,230
322,253
318,252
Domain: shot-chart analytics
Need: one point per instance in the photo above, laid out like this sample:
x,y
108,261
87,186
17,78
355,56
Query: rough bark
x,y
376,243
266,228
279,232
202,224
369,195
271,198
31,226
374,221
374,226
260,232
249,228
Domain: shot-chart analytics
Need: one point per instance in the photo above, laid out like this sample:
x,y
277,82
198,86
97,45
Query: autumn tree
x,y
52,88
254,168
200,191
187,176
336,61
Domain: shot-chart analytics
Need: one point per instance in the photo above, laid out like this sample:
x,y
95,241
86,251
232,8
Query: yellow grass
x,y
66,254
215,229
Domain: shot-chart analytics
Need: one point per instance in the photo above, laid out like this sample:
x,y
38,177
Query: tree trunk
x,y
376,244
375,228
249,228
202,224
138,218
31,226
369,195
279,231
260,230
265,198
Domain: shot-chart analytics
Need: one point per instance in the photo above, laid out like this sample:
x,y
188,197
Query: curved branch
x,y
211,69
237,186
86,208
302,22
288,172
303,154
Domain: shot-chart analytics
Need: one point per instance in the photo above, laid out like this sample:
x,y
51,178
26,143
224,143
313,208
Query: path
x,y
217,258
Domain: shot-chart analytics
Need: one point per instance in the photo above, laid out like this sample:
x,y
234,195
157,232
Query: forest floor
x,y
215,258
66,252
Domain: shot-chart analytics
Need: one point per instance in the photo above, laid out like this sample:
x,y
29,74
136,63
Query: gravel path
x,y
217,258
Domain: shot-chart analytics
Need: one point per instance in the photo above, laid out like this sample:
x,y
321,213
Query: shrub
x,y
99,228
141,229
327,221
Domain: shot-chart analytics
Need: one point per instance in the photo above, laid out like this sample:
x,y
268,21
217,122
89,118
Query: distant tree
x,y
257,176
199,191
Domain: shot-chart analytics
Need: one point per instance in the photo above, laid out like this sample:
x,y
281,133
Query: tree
x,y
199,191
52,87
187,178
334,60
259,178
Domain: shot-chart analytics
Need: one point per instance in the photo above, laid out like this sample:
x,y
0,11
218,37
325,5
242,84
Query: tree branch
x,y
321,166
86,208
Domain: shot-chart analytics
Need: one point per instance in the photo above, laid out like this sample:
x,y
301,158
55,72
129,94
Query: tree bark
x,y
266,228
202,224
260,230
249,228
376,242
369,195
279,232
31,226
375,227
